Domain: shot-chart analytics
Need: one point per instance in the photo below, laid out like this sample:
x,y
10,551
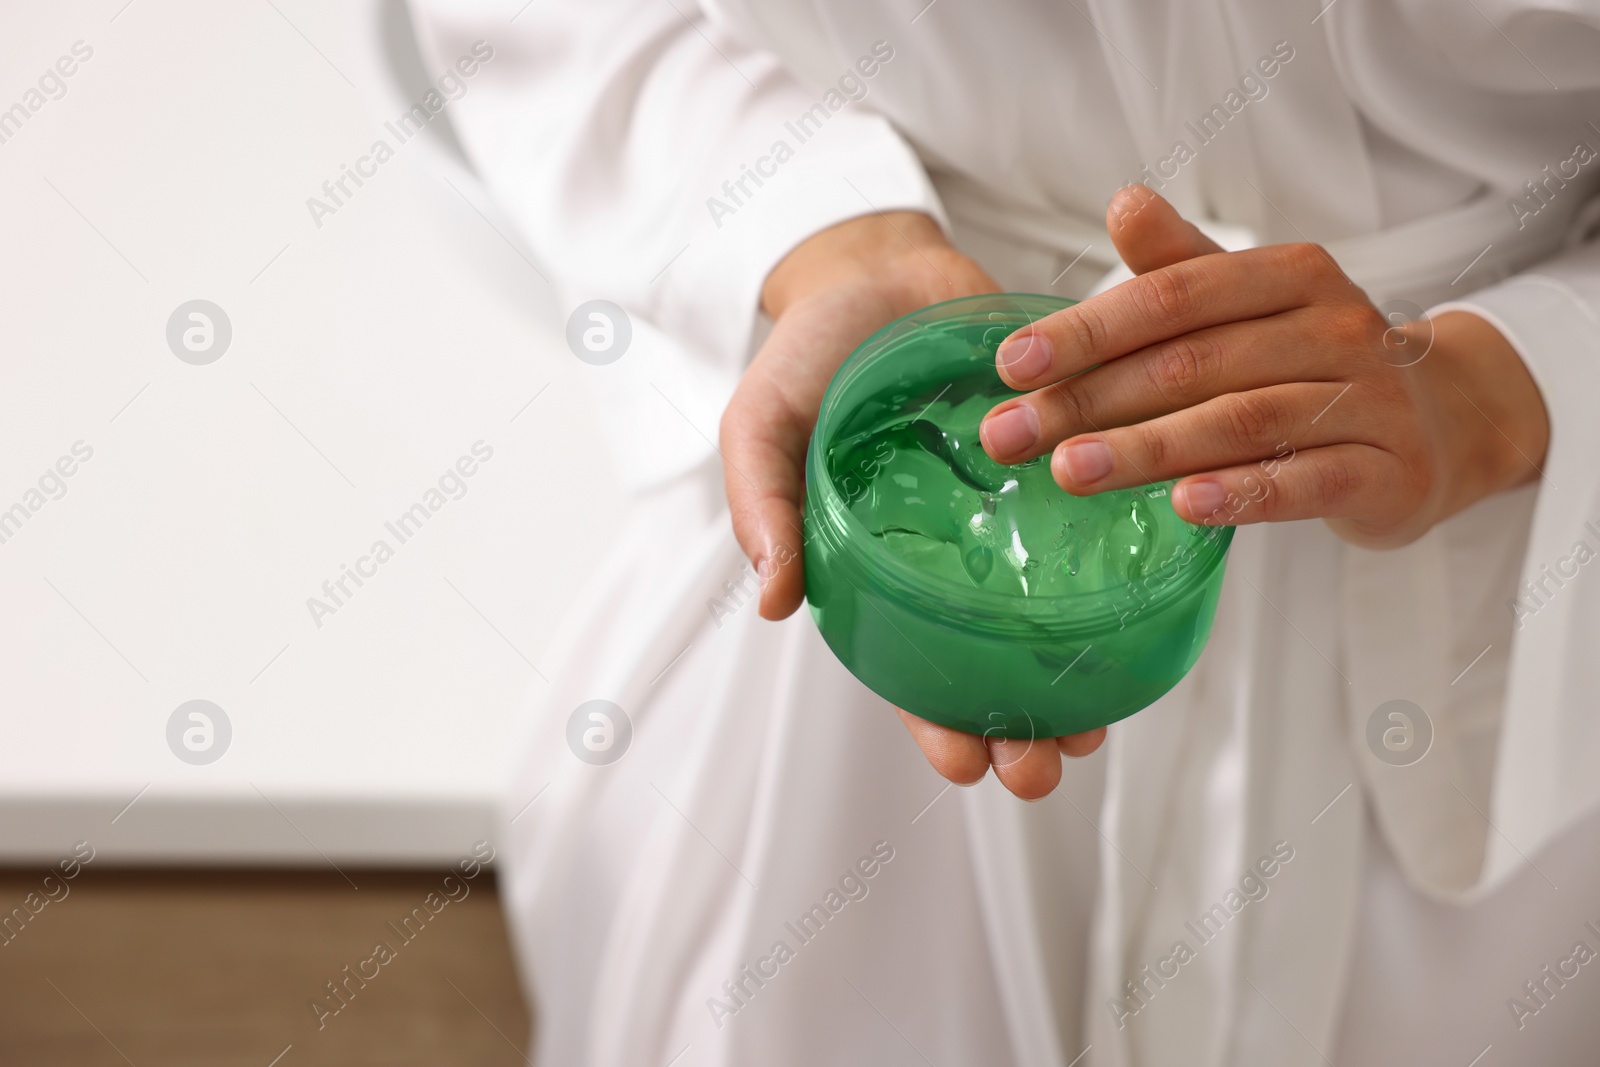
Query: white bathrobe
x,y
706,898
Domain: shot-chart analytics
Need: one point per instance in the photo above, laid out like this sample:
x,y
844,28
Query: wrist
x,y
902,254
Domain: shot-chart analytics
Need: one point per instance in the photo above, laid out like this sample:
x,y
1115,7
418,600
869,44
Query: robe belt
x,y
1438,257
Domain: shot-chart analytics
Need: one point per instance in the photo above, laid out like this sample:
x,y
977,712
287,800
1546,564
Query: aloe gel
x,y
981,595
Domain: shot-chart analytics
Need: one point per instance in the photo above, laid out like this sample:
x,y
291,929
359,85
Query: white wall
x,y
366,358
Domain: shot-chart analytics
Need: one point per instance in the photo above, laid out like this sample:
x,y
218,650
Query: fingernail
x,y
1011,432
1024,357
1086,461
1201,499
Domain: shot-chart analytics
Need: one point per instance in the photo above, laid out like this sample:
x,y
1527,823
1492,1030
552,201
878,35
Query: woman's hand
x,y
1271,386
826,297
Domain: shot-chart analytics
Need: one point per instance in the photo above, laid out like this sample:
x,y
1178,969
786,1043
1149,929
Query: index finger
x,y
1169,302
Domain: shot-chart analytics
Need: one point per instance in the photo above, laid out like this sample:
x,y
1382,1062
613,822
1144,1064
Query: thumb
x,y
1149,233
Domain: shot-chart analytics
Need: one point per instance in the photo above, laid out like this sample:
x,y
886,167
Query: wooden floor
x,y
209,969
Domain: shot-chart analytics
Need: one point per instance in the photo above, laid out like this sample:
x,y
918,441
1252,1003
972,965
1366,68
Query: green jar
x,y
978,595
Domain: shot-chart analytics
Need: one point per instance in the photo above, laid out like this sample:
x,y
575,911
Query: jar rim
x,y
1058,614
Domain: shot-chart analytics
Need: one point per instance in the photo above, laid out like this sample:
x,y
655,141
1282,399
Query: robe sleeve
x,y
1498,613
1488,627
650,155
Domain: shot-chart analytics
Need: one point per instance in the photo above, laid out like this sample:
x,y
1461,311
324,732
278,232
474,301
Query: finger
x,y
1167,302
960,757
763,460
1149,233
1158,380
1079,745
1232,429
1029,767
1336,482
767,426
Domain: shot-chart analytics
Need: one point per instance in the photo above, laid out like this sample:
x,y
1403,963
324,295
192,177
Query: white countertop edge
x,y
238,831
